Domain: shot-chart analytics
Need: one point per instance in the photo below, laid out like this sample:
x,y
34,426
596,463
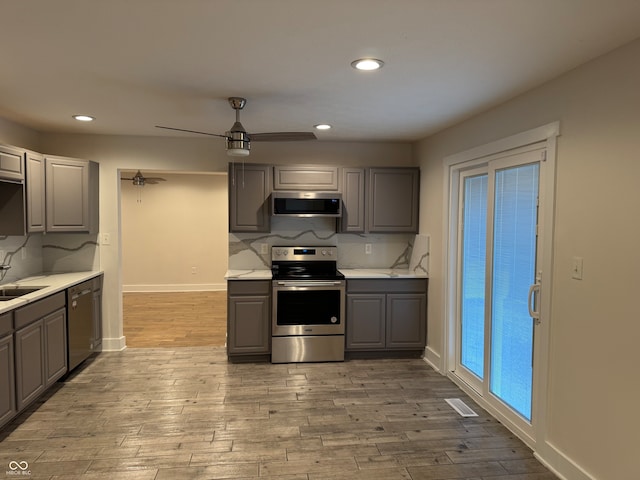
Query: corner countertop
x,y
51,283
353,273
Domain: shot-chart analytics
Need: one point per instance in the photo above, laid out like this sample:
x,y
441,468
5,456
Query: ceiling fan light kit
x,y
238,141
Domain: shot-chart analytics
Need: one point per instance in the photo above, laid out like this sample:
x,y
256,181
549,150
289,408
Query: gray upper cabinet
x,y
12,200
249,190
71,195
305,177
393,200
11,164
36,209
353,201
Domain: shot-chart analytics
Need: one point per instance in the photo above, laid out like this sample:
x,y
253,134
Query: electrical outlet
x,y
106,239
23,253
264,248
194,270
367,248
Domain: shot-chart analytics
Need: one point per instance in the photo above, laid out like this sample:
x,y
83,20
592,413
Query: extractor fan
x,y
239,140
140,181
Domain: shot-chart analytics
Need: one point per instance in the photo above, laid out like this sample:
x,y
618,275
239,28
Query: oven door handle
x,y
315,283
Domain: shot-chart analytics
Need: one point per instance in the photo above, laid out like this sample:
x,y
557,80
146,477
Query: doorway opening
x,y
174,257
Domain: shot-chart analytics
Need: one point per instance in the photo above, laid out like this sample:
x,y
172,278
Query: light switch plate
x,y
367,248
576,268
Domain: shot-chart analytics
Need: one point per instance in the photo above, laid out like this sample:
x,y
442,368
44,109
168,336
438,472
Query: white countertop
x,y
259,274
263,274
352,273
51,283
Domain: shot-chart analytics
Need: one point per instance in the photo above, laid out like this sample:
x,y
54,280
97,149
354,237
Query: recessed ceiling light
x,y
84,118
322,126
367,64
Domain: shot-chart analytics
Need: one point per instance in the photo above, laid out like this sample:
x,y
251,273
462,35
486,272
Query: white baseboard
x,y
114,344
433,359
560,464
181,287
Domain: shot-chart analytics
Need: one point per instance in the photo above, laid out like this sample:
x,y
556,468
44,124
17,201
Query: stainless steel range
x,y
308,304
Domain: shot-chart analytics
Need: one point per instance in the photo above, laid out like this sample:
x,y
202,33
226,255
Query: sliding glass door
x,y
497,264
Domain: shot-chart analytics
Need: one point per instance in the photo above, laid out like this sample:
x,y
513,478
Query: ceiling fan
x,y
140,181
239,140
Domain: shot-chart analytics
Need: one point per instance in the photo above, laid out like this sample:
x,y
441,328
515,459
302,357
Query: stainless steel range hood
x,y
306,204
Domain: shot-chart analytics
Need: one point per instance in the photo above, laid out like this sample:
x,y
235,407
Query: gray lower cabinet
x,y
249,190
386,315
248,318
30,375
7,372
71,193
40,347
55,339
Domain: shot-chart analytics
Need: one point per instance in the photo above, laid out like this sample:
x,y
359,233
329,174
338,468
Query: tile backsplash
x,y
249,251
37,253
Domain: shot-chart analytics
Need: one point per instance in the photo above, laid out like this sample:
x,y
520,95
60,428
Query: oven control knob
x,y
285,253
324,252
334,319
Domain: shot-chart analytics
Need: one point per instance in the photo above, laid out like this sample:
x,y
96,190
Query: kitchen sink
x,y
9,293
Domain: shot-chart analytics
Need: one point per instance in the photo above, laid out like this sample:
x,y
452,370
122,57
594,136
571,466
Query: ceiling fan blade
x,y
282,136
191,131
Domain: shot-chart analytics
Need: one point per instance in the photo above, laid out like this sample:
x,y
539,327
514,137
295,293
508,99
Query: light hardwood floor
x,y
175,319
187,414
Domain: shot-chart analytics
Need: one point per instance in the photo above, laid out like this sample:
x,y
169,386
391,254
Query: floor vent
x,y
462,408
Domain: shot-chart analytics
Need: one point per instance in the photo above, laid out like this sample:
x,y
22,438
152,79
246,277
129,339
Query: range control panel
x,y
297,254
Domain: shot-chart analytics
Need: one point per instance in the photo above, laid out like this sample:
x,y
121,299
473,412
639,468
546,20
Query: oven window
x,y
308,307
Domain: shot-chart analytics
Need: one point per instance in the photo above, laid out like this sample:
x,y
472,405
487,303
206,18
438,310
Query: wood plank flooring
x,y
185,413
175,319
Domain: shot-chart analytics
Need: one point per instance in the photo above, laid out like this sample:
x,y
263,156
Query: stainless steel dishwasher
x,y
80,322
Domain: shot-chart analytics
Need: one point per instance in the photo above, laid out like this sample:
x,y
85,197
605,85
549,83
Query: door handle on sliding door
x,y
533,313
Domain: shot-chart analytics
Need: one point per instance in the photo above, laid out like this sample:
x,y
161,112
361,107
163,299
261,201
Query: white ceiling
x,y
134,64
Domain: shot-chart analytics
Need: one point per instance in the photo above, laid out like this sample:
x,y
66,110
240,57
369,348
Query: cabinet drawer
x,y
25,315
248,287
397,285
6,323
